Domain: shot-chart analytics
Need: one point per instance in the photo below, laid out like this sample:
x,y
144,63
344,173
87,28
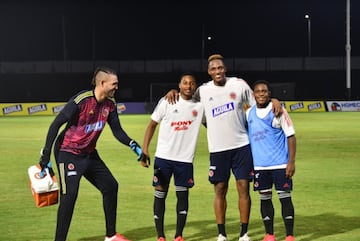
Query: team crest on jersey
x,y
105,112
71,171
71,166
194,113
252,174
232,95
211,173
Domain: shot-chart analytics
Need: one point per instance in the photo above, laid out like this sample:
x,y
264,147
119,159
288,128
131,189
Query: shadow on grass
x,y
306,228
323,225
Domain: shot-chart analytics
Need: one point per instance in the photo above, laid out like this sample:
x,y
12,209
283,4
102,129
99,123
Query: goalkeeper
x,y
75,152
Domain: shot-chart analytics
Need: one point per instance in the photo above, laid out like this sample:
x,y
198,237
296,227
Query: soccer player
x,y
175,151
225,100
273,146
85,115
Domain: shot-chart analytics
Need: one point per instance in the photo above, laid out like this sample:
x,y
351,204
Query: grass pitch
x,y
326,187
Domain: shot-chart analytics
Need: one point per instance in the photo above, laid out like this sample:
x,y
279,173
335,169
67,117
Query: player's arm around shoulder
x,y
172,96
245,91
277,107
289,130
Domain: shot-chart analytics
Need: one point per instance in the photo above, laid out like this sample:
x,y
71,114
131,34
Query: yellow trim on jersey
x,y
113,100
87,94
82,96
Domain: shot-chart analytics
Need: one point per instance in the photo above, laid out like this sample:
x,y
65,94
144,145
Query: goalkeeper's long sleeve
x,y
117,130
59,120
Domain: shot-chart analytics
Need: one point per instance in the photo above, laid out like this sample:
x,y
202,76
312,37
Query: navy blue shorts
x,y
164,169
265,179
238,160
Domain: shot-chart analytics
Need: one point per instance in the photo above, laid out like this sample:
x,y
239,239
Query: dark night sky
x,y
131,30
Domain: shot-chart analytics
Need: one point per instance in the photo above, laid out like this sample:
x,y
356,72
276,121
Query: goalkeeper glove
x,y
137,149
145,160
44,170
44,158
44,163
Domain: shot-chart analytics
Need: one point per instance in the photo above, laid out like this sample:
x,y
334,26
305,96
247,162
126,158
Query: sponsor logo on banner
x,y
314,106
120,108
297,106
305,106
11,109
37,108
335,107
57,109
343,106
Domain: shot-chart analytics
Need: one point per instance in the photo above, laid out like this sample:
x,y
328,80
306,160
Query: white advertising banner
x,y
343,105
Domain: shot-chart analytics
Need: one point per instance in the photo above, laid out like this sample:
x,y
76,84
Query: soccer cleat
x,y
269,237
179,238
161,239
116,237
221,238
245,237
290,238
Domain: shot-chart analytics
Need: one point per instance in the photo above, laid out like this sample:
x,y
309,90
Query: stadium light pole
x,y
348,51
202,47
204,40
308,18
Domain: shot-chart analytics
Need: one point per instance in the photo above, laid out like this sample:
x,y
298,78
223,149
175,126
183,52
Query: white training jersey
x,y
283,121
225,113
179,129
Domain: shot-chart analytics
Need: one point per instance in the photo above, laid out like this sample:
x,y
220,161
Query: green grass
x,y
326,187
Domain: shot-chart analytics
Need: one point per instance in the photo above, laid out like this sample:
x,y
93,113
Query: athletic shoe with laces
x,y
179,238
269,237
221,238
117,237
161,239
290,238
245,237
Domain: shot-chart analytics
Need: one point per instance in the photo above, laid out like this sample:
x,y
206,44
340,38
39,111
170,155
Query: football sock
x,y
287,209
221,228
267,212
244,229
182,208
159,211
